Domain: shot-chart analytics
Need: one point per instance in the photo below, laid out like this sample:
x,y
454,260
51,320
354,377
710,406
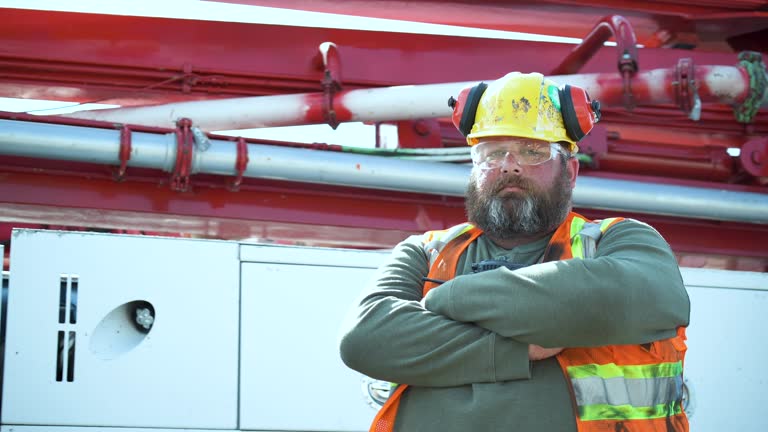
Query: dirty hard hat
x,y
528,106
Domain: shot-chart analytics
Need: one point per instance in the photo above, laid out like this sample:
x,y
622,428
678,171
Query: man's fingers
x,y
536,352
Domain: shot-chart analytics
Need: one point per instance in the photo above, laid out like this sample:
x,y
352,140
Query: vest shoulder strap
x,y
577,234
586,234
433,242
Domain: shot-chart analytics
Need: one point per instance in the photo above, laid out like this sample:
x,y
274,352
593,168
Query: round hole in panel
x,y
122,329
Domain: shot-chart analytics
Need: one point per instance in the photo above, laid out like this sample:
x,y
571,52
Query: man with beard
x,y
529,317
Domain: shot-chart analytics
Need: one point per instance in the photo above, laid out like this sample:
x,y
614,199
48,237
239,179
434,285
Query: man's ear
x,y
573,170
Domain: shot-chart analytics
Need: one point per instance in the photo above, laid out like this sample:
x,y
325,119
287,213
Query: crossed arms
x,y
478,327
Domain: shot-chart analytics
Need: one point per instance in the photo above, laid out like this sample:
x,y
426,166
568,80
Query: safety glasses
x,y
492,154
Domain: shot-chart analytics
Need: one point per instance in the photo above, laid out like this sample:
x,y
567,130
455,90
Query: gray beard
x,y
520,219
534,212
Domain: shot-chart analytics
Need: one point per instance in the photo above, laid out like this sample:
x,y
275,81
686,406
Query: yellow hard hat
x,y
527,106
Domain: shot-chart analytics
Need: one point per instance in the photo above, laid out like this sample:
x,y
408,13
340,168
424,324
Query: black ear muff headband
x,y
570,120
470,108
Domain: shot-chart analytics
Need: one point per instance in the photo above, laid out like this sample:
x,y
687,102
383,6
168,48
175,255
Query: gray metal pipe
x,y
76,143
83,144
671,200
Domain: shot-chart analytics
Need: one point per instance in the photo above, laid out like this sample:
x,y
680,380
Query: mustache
x,y
518,182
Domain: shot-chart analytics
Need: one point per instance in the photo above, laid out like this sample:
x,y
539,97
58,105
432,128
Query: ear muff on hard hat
x,y
579,113
465,107
501,115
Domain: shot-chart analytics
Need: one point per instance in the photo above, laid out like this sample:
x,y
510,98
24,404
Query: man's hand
x,y
536,352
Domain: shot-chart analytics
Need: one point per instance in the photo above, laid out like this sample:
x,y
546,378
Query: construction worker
x,y
529,317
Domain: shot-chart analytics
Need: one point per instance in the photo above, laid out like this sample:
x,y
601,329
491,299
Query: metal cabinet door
x,y
727,348
293,303
74,355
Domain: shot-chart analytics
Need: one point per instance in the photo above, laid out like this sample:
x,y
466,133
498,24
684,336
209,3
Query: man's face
x,y
510,199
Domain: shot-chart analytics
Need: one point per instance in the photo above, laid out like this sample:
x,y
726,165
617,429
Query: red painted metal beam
x,y
291,212
698,244
699,24
126,60
136,60
139,60
283,210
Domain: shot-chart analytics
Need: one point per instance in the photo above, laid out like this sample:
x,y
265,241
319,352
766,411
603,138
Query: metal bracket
x,y
754,156
331,82
687,91
626,44
240,164
189,80
125,152
752,62
420,133
185,143
628,62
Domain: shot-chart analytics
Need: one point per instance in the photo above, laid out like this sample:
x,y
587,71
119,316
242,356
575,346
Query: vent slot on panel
x,y
71,358
73,300
66,339
60,356
63,299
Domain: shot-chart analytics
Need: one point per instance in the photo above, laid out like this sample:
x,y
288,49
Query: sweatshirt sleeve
x,y
390,336
630,292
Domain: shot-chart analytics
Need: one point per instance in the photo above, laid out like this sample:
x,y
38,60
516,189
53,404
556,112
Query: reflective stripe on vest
x,y
613,392
634,391
435,241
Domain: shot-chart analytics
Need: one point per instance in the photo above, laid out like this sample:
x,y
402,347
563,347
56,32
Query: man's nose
x,y
510,164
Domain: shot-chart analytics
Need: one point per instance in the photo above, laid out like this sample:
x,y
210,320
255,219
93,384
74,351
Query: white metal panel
x,y
22,428
292,377
312,256
727,348
182,374
727,279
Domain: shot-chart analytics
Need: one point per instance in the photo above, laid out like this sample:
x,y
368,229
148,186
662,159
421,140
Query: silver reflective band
x,y
637,392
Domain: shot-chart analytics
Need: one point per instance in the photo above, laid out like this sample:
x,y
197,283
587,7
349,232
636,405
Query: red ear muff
x,y
465,107
579,113
457,105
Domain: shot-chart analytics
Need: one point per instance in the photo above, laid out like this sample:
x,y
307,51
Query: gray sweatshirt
x,y
464,348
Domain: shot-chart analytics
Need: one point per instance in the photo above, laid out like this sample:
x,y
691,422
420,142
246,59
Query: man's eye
x,y
496,155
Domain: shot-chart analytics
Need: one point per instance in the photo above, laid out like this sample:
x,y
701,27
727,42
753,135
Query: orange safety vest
x,y
613,388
